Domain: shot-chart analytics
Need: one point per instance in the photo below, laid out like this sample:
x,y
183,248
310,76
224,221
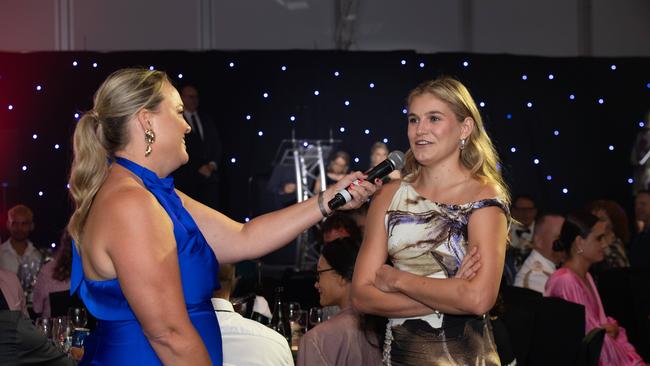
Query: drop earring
x,y
149,139
462,144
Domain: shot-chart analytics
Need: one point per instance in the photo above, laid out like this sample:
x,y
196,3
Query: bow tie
x,y
522,231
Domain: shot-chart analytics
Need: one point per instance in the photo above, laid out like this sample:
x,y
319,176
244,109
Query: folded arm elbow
x,y
480,302
359,304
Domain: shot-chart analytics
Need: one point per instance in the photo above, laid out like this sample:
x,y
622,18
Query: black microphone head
x,y
397,158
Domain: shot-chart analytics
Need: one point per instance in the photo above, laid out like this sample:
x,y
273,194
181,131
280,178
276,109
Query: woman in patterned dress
x,y
451,200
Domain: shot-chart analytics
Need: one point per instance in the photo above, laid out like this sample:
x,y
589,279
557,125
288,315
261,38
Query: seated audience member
x,y
22,344
524,211
359,216
639,249
520,237
583,239
18,249
340,225
245,341
53,277
542,260
617,236
337,168
339,340
13,294
378,153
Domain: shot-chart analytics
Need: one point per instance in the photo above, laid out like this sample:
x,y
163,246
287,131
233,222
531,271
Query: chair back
x,y
519,314
590,348
559,330
59,303
542,330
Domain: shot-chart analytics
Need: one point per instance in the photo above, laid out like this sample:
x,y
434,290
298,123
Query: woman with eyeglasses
x,y
339,340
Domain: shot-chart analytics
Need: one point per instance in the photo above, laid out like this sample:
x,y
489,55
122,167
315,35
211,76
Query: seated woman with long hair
x,y
583,239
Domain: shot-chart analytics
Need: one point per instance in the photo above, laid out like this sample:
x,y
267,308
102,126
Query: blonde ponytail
x,y
89,170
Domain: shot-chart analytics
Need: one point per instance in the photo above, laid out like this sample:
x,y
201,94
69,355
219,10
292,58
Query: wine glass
x,y
45,326
315,317
62,332
78,317
293,311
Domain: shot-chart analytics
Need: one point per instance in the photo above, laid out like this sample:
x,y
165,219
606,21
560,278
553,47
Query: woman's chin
x,y
185,158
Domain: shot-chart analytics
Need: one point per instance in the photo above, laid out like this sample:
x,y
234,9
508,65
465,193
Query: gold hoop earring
x,y
149,139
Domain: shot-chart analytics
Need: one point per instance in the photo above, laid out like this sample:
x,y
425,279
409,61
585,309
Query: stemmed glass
x,y
315,317
45,326
62,332
78,317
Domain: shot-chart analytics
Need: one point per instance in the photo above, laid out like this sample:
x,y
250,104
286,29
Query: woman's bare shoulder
x,y
483,190
385,194
123,198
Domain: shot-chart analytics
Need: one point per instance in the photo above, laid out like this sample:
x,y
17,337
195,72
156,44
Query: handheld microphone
x,y
394,161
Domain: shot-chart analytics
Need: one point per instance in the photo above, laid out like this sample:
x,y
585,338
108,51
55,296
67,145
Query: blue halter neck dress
x,y
118,338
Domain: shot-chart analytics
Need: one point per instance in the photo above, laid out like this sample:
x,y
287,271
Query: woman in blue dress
x,y
145,255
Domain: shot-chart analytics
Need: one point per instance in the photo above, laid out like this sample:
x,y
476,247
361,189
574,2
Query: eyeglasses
x,y
321,271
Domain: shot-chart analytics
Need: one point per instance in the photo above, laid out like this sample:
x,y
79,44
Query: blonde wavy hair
x,y
103,130
479,154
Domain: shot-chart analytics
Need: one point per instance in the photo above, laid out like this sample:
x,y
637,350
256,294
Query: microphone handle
x,y
340,199
380,171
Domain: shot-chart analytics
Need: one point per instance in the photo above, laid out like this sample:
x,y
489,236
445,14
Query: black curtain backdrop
x,y
578,158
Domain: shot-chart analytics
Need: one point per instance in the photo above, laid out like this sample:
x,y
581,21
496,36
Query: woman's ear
x,y
143,118
466,127
578,244
341,281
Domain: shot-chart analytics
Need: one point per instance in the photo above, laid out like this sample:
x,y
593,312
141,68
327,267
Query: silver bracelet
x,y
321,205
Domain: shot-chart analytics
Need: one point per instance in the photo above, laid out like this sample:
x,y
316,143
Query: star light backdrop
x,y
563,127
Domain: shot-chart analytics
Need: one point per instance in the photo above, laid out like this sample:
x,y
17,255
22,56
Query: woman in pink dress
x,y
583,239
53,277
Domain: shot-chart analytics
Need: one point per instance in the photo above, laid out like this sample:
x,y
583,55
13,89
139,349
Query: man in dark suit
x,y
199,177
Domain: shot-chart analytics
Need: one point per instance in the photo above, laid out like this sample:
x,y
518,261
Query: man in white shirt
x,y
245,341
13,293
542,261
18,249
